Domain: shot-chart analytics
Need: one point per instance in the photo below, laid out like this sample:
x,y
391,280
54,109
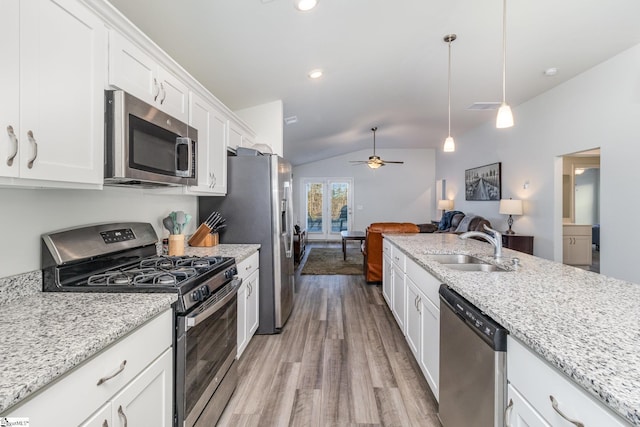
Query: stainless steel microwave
x,y
145,146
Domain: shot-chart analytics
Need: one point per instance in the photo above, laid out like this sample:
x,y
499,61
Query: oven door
x,y
206,347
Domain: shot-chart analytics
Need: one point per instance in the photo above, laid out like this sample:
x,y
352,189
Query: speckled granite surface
x,y
238,251
19,286
45,334
586,325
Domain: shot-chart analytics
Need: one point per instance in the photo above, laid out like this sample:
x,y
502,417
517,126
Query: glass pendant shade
x,y
449,145
374,165
505,117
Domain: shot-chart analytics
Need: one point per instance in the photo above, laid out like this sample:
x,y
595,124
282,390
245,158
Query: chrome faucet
x,y
495,240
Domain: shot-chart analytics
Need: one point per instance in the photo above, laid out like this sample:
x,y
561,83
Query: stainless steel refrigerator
x,y
258,209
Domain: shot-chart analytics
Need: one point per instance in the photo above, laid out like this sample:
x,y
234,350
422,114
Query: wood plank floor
x,y
340,361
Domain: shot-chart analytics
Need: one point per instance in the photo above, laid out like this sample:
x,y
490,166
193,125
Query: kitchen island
x,y
45,335
585,325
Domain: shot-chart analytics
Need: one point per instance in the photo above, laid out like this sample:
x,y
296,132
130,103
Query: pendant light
x,y
505,116
449,144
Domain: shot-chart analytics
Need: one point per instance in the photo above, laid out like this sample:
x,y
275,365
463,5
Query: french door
x,y
327,206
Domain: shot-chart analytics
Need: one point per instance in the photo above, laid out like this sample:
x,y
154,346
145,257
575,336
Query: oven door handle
x,y
194,319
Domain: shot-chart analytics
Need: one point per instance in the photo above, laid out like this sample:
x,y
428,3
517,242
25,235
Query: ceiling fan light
x,y
305,5
505,117
449,145
374,165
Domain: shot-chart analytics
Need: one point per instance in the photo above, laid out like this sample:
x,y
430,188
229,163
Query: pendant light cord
x,y
504,51
449,86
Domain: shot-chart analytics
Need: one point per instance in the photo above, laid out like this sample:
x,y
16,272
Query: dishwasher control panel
x,y
483,325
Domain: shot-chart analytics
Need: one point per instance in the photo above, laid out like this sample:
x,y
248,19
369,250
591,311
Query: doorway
x,y
581,209
327,207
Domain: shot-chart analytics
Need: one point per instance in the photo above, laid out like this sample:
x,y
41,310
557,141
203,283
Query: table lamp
x,y
510,207
445,205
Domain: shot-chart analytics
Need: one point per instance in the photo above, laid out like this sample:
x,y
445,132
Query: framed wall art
x,y
483,183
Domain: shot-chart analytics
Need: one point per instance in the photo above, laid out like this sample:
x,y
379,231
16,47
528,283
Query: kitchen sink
x,y
462,262
456,259
474,267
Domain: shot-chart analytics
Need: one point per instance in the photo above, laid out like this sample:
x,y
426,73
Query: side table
x,y
299,245
518,242
350,235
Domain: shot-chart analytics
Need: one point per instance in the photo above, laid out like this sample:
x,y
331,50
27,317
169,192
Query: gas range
x,y
121,257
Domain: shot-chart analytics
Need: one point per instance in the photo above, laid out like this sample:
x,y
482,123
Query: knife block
x,y
203,237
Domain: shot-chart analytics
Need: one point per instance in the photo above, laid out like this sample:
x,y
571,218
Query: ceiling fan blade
x,y
358,161
391,161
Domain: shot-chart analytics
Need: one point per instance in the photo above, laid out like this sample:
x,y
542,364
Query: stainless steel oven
x,y
206,374
121,257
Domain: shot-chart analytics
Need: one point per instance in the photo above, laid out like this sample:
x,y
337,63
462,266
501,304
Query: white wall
x,y
399,193
599,108
26,214
267,120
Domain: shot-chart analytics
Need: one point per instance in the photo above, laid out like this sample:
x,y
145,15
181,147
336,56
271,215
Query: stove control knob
x,y
231,272
204,291
196,295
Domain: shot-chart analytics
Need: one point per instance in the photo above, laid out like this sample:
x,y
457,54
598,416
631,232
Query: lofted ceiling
x,y
384,61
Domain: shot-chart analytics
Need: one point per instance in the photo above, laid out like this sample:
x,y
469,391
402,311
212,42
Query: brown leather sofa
x,y
372,249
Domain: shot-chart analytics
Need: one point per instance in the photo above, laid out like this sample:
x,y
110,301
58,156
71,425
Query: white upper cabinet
x,y
52,81
212,146
136,72
239,136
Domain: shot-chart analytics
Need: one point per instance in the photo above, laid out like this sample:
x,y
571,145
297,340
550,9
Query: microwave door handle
x,y
183,141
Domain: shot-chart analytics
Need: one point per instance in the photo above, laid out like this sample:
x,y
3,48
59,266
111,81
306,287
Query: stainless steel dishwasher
x,y
472,364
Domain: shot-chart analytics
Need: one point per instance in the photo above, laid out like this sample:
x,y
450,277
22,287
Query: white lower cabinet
x,y
534,387
577,244
399,287
145,401
412,295
132,379
387,277
248,297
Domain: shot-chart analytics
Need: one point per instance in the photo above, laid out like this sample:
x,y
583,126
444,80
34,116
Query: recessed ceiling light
x,y
304,5
315,74
551,71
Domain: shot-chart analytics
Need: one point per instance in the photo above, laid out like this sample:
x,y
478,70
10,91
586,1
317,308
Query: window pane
x,y
339,197
314,207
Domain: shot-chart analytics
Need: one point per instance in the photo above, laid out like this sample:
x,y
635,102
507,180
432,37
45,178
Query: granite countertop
x,y
239,251
45,334
585,324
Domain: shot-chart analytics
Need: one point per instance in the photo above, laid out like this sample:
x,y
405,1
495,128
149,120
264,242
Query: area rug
x,y
330,261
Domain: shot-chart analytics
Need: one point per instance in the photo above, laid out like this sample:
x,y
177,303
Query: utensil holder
x,y
176,244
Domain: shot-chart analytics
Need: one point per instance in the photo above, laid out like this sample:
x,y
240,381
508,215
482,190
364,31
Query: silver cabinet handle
x,y
507,414
418,305
155,84
105,379
35,149
105,424
554,403
164,93
415,302
14,153
212,179
122,415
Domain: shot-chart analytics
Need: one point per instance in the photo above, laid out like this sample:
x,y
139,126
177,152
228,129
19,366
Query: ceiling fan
x,y
374,161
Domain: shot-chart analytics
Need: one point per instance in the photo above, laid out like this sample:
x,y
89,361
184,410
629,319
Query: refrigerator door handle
x,y
288,228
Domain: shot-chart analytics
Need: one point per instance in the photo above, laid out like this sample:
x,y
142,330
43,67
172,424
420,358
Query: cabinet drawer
x,y
537,381
399,258
387,248
249,265
427,284
74,397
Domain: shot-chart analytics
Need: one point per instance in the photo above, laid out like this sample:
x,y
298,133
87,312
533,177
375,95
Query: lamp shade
x,y
511,207
445,205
